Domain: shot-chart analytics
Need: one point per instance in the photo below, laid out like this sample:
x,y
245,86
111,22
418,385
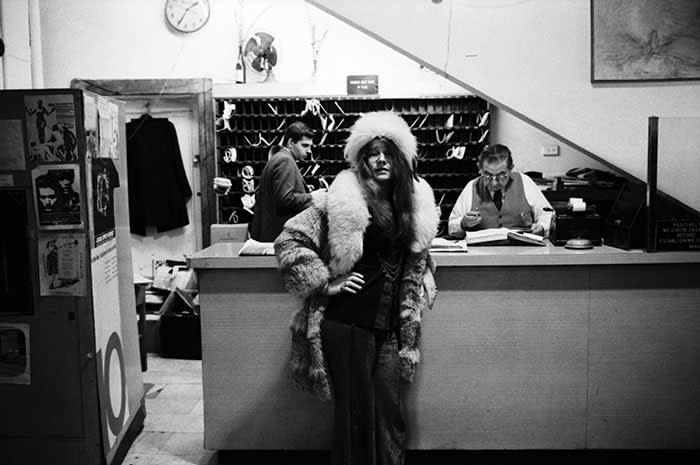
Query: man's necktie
x,y
498,198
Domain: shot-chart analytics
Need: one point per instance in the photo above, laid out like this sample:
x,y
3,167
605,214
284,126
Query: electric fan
x,y
261,54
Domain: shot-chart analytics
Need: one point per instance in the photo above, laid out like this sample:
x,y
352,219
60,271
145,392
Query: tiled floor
x,y
173,432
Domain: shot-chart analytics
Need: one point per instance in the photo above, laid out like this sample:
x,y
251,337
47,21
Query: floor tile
x,y
205,458
180,391
184,444
137,459
176,423
172,404
198,408
150,442
165,377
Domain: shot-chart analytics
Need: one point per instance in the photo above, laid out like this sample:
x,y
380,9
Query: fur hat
x,y
386,124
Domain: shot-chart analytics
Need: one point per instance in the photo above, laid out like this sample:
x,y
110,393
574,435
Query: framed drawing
x,y
645,40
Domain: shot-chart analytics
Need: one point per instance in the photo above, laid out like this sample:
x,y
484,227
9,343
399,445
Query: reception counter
x,y
526,348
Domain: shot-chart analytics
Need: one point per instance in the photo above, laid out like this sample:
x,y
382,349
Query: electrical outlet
x,y
550,150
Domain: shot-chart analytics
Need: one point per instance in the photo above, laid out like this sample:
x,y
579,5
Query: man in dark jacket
x,y
282,192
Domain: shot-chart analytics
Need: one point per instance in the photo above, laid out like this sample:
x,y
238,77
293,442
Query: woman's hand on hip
x,y
351,282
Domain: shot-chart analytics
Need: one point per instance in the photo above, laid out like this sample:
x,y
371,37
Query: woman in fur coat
x,y
357,257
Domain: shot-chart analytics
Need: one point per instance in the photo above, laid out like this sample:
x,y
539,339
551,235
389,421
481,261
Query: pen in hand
x,y
470,219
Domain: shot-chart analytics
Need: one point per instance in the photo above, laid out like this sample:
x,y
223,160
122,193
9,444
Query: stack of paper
x,y
440,244
253,247
503,236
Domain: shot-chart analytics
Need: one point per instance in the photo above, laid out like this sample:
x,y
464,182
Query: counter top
x,y
225,255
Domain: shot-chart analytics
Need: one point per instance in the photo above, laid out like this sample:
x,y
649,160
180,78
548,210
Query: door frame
x,y
200,92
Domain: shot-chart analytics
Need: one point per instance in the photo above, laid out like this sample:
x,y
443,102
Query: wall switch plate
x,y
550,150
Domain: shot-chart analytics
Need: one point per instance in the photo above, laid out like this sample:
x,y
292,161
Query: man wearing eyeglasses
x,y
499,198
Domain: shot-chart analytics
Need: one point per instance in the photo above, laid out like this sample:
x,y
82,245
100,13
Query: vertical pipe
x,y
652,160
37,62
2,58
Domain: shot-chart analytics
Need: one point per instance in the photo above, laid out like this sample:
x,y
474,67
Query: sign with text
x,y
678,235
363,85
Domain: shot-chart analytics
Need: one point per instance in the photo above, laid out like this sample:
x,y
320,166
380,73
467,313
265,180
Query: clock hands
x,y
187,11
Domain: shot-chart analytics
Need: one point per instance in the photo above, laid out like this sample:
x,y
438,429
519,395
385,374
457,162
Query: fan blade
x,y
265,39
251,46
271,55
257,64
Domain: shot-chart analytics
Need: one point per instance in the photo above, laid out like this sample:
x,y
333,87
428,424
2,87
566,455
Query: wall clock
x,y
187,15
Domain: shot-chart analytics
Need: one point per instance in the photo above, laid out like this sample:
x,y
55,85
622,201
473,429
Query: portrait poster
x,y
57,199
11,145
104,179
111,364
50,128
15,353
62,264
108,135
650,40
90,124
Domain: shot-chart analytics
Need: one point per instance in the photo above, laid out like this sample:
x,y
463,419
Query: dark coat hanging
x,y
158,186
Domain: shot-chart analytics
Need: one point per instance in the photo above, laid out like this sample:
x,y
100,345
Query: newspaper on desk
x,y
253,247
440,244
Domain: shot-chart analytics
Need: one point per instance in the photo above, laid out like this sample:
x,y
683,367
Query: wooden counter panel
x,y
644,375
564,357
249,402
503,364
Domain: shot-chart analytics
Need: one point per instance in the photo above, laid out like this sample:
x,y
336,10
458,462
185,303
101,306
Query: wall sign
x,y
363,84
678,235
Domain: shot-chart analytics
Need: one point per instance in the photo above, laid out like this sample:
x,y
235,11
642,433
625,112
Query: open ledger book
x,y
503,236
253,247
441,244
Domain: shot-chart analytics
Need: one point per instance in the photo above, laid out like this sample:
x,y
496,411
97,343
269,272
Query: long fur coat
x,y
325,241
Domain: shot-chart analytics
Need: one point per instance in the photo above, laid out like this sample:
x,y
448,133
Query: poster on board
x,y
57,196
62,264
104,179
108,114
90,125
111,366
50,128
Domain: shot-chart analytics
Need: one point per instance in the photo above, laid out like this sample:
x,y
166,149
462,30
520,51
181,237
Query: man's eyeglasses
x,y
500,177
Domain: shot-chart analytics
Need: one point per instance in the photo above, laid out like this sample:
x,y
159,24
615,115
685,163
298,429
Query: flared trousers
x,y
369,425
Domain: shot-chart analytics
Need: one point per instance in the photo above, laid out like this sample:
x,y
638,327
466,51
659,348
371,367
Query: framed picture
x,y
645,40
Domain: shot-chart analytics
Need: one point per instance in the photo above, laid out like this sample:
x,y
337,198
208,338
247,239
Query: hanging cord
x,y
449,37
159,96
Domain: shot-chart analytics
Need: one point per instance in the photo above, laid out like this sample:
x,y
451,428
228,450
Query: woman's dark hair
x,y
401,189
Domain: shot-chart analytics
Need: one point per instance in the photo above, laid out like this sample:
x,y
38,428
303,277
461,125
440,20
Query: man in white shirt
x,y
500,197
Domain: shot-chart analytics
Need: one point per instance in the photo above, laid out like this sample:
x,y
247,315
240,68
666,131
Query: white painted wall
x,y
14,30
109,39
534,58
526,142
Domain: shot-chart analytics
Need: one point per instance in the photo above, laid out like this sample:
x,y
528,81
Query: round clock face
x,y
187,15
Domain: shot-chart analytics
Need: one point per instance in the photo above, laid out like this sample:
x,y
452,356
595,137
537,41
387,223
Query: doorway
x,y
177,243
188,104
